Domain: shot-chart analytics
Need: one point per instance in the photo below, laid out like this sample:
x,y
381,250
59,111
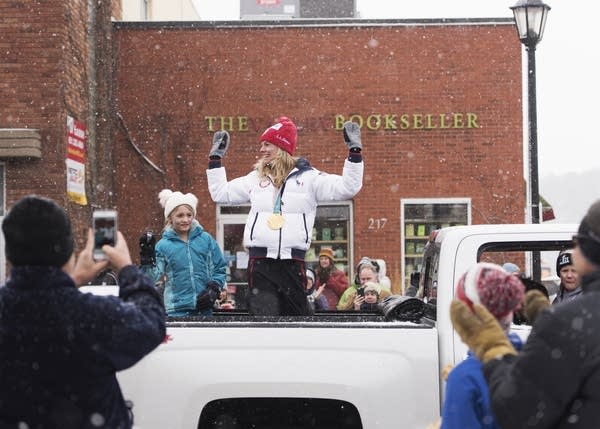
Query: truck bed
x,y
338,370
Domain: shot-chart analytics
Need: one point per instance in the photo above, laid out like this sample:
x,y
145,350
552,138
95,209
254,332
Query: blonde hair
x,y
278,169
169,220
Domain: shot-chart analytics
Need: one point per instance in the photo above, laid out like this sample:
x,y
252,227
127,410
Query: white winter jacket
x,y
305,187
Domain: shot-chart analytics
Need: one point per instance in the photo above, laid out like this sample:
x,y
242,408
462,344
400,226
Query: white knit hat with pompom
x,y
171,200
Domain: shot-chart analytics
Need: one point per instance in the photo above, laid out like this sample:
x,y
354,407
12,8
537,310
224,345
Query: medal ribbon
x,y
277,205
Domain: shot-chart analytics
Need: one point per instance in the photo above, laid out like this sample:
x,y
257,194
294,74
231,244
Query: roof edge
x,y
304,23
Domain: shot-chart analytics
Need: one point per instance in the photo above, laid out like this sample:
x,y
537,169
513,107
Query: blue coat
x,y
187,268
467,404
60,348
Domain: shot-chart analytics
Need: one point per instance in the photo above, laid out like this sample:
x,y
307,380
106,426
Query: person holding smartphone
x,y
367,297
61,348
187,259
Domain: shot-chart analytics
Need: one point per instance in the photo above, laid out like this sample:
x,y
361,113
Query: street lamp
x,y
530,17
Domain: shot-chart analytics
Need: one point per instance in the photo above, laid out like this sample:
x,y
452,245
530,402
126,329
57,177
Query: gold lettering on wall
x,y
415,121
372,122
227,123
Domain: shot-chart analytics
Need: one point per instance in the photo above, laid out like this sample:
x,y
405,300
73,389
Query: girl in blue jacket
x,y
188,259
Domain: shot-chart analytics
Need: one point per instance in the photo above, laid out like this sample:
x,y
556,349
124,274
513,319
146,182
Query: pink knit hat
x,y
491,286
283,135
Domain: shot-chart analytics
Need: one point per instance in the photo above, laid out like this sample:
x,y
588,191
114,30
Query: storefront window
x,y
422,216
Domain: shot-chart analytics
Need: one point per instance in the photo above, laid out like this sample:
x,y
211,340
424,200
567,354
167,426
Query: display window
x,y
420,217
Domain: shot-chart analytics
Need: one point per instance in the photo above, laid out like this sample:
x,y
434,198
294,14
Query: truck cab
x,y
451,251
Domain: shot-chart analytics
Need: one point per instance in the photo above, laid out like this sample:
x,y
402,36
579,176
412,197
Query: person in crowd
x,y
61,348
367,270
414,288
316,299
188,260
384,281
467,403
520,316
225,301
554,382
332,280
368,297
345,302
284,192
511,268
570,286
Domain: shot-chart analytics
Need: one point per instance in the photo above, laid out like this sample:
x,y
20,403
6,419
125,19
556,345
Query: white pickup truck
x,y
331,370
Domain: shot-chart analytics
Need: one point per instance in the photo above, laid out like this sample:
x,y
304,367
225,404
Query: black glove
x,y
220,143
206,299
147,254
352,136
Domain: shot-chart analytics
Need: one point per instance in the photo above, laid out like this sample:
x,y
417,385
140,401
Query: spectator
x,y
316,299
520,316
335,281
366,271
369,299
345,303
62,348
283,192
467,403
384,280
570,286
188,260
511,268
555,381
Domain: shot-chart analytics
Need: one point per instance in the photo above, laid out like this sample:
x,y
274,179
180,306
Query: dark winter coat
x,y
60,348
554,382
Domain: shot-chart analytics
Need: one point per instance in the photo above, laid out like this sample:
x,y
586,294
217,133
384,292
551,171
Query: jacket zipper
x,y
253,225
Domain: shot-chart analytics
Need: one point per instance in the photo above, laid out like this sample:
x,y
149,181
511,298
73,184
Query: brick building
x,y
439,102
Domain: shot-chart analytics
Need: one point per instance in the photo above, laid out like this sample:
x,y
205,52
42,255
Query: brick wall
x,y
46,70
171,77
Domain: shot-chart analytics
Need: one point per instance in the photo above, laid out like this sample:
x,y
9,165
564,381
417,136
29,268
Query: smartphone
x,y
104,223
360,291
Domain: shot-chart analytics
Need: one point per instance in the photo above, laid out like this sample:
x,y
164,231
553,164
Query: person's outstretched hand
x,y
147,246
480,330
118,255
86,268
220,144
535,303
352,135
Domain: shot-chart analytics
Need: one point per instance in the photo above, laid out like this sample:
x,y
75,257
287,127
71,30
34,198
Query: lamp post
x,y
530,18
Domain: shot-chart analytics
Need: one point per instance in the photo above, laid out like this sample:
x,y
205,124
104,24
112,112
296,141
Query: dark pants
x,y
276,287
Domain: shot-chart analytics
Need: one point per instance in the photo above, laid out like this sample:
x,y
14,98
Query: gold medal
x,y
275,221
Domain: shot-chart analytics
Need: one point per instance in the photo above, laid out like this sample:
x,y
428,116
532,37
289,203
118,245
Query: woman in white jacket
x,y
283,191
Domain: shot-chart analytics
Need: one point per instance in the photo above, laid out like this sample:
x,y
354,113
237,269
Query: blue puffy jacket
x,y
187,268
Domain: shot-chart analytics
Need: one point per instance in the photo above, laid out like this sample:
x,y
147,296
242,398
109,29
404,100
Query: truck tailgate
x,y
387,370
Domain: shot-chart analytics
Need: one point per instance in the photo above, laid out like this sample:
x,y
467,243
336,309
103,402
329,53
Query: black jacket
x,y
60,348
554,382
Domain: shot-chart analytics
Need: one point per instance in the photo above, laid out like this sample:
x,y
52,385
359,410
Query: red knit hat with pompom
x,y
283,134
491,286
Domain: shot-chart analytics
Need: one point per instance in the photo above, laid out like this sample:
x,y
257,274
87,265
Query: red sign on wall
x,y
76,161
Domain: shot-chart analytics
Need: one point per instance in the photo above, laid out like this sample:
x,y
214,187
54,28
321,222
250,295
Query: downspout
x,y
92,103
